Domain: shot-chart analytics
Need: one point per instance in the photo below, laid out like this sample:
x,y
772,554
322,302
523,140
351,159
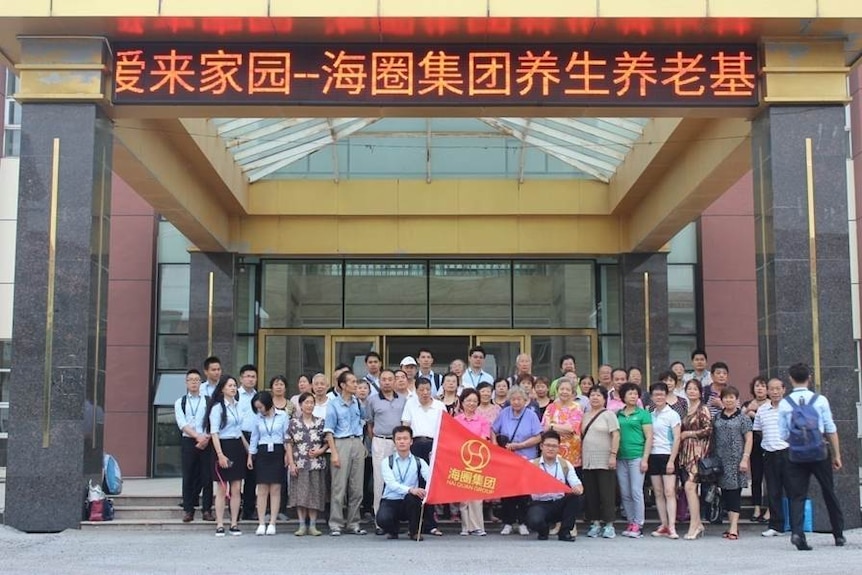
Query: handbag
x,y
504,440
709,469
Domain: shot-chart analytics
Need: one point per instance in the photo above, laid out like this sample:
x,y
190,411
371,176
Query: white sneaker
x,y
522,529
595,530
270,529
772,533
506,530
261,530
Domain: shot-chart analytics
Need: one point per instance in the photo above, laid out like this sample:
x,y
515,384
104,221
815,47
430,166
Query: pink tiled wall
x,y
730,283
130,312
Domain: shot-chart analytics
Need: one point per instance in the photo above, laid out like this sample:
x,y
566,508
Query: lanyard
x,y
270,428
402,473
233,412
556,467
194,409
473,377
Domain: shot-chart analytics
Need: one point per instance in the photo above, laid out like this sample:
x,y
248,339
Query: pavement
x,y
130,552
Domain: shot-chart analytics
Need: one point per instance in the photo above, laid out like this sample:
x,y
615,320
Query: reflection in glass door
x,y
351,350
500,353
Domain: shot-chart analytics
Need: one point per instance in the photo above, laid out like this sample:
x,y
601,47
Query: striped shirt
x,y
766,421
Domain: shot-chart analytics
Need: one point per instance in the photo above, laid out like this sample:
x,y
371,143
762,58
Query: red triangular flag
x,y
465,468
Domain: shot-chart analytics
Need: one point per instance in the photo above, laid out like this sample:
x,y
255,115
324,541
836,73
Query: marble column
x,y
788,308
211,312
633,266
59,315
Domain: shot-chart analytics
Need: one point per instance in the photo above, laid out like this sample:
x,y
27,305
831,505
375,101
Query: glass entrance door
x,y
501,353
351,350
444,348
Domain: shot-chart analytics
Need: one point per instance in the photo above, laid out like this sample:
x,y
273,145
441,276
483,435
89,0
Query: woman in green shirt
x,y
635,446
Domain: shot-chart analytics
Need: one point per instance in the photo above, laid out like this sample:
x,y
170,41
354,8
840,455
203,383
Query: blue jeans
x,y
631,481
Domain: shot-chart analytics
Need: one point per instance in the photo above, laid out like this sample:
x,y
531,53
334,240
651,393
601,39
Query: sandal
x,y
726,534
436,532
732,536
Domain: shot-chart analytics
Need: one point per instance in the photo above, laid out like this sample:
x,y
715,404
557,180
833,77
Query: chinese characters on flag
x,y
364,74
464,468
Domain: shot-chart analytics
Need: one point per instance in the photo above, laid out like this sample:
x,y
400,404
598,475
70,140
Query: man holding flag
x,y
465,467
549,508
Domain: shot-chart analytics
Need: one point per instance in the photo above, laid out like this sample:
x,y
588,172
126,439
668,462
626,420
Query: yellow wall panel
x,y
421,236
662,9
303,236
103,8
25,8
215,8
488,235
344,8
368,236
420,8
484,196
542,8
600,235
541,236
763,8
418,197
839,9
370,200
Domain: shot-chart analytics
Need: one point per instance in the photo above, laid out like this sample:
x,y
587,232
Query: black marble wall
x,y
223,331
784,292
45,484
632,268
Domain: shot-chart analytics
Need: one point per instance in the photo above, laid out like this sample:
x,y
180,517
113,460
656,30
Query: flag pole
x,y
421,519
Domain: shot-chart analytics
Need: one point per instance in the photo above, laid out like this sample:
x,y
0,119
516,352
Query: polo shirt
x,y
344,419
663,423
423,419
632,437
384,414
766,421
530,426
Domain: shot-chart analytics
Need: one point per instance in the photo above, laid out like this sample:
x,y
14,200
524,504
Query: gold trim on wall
x,y
210,313
52,284
101,259
812,261
647,346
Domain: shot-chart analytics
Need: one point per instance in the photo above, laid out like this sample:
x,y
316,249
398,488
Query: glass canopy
x,y
429,148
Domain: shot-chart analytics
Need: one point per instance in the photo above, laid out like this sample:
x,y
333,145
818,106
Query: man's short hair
x,y
799,373
565,357
402,429
699,351
550,434
476,348
373,354
211,360
247,367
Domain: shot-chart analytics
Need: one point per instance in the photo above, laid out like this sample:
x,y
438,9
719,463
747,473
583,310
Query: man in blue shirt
x,y
404,476
343,426
799,474
548,508
189,412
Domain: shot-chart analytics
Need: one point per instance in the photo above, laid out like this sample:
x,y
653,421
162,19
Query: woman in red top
x,y
472,521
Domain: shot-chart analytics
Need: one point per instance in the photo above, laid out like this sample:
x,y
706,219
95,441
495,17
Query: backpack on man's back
x,y
805,441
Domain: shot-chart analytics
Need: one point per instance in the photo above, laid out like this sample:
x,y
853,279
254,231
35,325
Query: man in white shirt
x,y
247,391
189,412
799,473
476,373
547,509
774,456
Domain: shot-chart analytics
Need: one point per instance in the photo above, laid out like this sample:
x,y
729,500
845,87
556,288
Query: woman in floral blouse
x,y
306,445
564,416
695,437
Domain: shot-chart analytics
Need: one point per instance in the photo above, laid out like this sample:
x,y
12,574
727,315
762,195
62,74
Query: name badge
x,y
270,447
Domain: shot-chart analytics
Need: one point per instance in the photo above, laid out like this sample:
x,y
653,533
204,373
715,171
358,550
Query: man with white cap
x,y
410,367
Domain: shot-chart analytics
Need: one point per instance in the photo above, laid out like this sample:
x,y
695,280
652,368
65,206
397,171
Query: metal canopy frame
x,y
265,147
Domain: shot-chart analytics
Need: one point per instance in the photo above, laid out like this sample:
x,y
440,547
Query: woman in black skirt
x,y
224,424
266,457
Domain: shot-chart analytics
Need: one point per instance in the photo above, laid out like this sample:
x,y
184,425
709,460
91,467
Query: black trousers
x,y
368,487
393,511
541,515
599,494
798,477
422,448
757,471
197,475
775,470
249,488
514,509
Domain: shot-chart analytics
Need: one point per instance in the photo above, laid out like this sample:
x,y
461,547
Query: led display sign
x,y
435,75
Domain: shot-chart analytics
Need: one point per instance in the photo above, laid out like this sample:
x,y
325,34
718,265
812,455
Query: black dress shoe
x,y
566,537
840,541
390,535
543,536
800,543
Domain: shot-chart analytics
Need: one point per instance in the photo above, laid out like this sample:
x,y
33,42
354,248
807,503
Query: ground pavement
x,y
154,552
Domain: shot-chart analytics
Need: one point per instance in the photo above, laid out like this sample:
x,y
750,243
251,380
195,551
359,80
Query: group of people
x,y
372,437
